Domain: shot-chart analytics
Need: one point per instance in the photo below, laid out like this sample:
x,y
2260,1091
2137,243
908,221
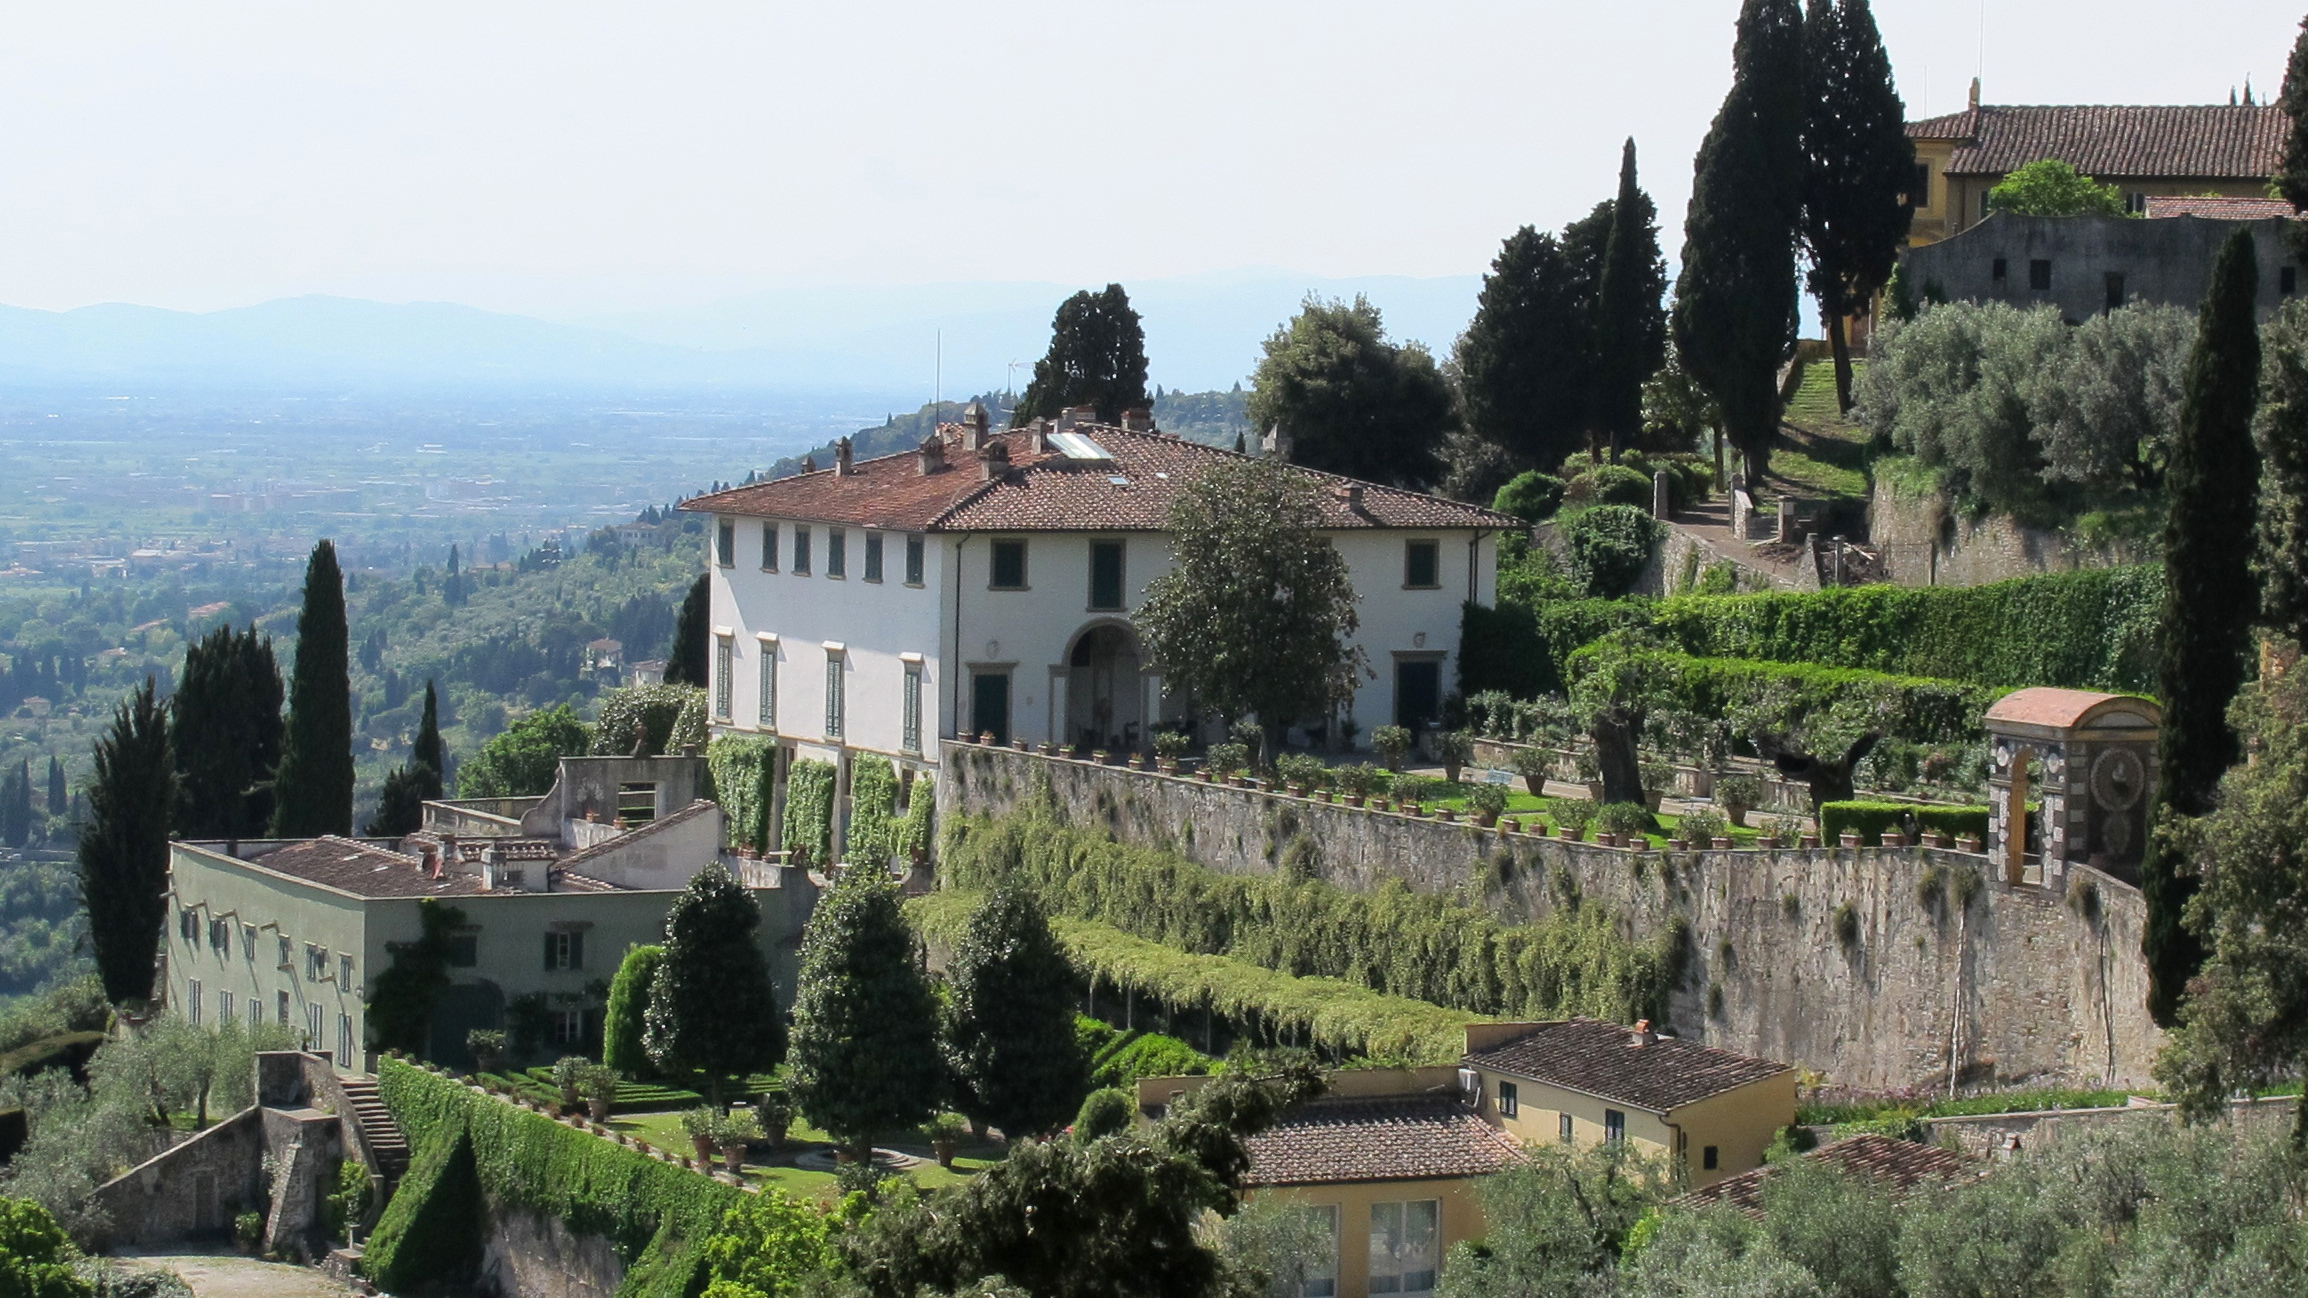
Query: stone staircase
x,y
388,1150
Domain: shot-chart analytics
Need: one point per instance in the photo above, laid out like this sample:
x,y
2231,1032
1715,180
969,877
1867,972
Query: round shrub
x,y
1104,1112
1609,547
1629,818
1608,484
1532,497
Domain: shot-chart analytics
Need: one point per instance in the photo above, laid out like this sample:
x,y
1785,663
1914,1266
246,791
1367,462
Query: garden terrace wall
x,y
1853,962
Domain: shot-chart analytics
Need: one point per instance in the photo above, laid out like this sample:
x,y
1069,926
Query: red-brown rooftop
x,y
2180,141
2044,707
362,869
1897,1165
1640,1069
2217,207
1380,1138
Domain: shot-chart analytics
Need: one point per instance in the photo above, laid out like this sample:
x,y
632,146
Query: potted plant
x,y
1487,802
1228,759
697,1124
1354,781
599,1083
1572,816
1169,746
1532,764
1019,743
1100,757
732,1133
1136,761
488,1047
1392,744
1658,778
1454,749
986,737
1628,823
1738,795
567,1071
1969,843
775,1113
1590,774
945,1137
1849,838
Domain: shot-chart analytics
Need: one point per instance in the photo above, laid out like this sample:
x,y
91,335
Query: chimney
x,y
841,458
994,459
1038,436
1351,493
931,455
1975,94
809,464
1642,1035
1138,419
975,421
1073,415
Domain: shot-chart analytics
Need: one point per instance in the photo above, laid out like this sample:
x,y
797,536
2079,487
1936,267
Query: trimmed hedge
x,y
1870,819
468,1146
1917,709
1522,650
1412,945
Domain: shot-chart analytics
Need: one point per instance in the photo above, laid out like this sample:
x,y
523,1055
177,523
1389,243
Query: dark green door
x,y
1417,693
990,705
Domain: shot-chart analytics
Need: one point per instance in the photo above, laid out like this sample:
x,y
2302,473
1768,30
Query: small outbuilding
x,y
2090,760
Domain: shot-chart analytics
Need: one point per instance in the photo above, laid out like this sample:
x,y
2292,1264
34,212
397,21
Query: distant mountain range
x,y
885,341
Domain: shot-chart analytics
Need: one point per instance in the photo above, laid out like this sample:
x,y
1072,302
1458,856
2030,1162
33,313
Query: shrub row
x,y
1403,943
1916,709
468,1146
1870,819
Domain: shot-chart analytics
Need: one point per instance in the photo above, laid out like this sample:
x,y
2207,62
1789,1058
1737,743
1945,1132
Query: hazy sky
x,y
585,156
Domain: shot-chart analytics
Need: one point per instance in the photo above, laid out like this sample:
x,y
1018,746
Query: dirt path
x,y
226,1275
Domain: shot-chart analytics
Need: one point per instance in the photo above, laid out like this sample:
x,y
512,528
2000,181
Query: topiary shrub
x,y
1105,1112
1870,819
744,774
1608,484
873,792
621,1025
1632,819
1531,496
1609,547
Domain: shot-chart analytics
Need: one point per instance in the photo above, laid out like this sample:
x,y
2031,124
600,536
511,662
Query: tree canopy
x,y
1522,360
124,846
2280,429
685,664
1256,615
1349,400
865,1024
523,759
313,788
712,1007
2292,173
1097,358
227,714
1010,1023
1630,325
1859,169
2050,187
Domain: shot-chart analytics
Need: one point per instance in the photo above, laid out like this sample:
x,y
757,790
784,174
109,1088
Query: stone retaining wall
x,y
1993,1133
2023,983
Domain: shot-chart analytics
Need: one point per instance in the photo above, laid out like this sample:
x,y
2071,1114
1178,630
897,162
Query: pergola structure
x,y
2097,757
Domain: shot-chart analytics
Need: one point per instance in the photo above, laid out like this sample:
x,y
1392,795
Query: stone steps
x,y
383,1135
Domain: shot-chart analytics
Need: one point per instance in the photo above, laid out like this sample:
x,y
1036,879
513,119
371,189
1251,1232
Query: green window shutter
x,y
576,950
548,950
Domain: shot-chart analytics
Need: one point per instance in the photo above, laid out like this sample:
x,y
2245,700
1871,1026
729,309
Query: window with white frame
x,y
913,561
910,738
248,940
285,948
564,950
192,1001
1322,1267
284,1009
725,543
344,1040
873,548
220,936
224,1008
313,1021
800,551
724,674
344,971
567,1028
767,650
316,963
188,926
1402,1246
769,547
1510,1099
836,552
833,699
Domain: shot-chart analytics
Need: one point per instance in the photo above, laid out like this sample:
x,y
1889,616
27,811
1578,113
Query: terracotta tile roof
x,y
2219,208
611,845
361,869
2048,706
2181,141
1384,1138
1600,1059
1898,1164
571,881
1131,491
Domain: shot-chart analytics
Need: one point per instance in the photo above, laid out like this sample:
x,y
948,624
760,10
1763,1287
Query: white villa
x,y
983,584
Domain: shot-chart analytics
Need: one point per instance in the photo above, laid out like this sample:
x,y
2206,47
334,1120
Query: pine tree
x,y
1521,360
1009,1037
1735,306
2209,601
58,799
227,720
1630,323
1097,358
2292,171
1860,167
124,846
865,1025
712,1008
313,789
686,664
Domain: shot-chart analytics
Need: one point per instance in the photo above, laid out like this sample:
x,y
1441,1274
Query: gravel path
x,y
227,1275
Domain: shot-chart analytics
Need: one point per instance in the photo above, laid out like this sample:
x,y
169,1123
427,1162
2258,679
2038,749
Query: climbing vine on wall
x,y
873,802
670,717
809,811
404,995
913,835
744,771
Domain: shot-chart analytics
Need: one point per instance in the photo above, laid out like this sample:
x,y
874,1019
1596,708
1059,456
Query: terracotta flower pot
x,y
944,1150
597,1109
1485,819
704,1147
1934,838
1969,843
1569,835
1168,765
774,1133
1136,762
1848,839
1811,840
1445,813
986,737
733,1158
1356,799
1678,844
570,1099
1722,844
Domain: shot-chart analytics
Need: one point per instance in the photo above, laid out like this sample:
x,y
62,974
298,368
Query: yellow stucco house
x,y
1580,1081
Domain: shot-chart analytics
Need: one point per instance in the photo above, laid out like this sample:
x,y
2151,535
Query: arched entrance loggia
x,y
1104,689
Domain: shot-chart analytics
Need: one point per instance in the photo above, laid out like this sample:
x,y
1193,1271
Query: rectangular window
x,y
873,542
284,1007
464,951
1919,189
913,561
220,936
724,675
768,652
284,951
1983,208
836,552
769,547
564,951
313,1039
833,708
316,962
910,738
1402,1246
1711,1157
1999,270
568,1028
1422,564
224,1008
1614,1125
2135,202
725,543
2040,276
2115,286
344,1040
248,940
192,1001
188,926
344,971
800,551
1106,575
1510,1099
1563,1128
1322,1268
1009,565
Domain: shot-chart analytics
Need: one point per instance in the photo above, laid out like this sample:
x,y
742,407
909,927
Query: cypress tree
x,y
686,664
2209,601
2292,172
227,719
57,798
712,1008
124,846
2280,430
1735,305
1521,360
625,1019
16,805
1630,328
1010,1025
1859,167
428,751
865,1024
313,789
1097,357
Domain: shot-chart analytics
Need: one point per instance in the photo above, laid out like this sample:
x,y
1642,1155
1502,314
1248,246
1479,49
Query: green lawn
x,y
1520,802
663,1131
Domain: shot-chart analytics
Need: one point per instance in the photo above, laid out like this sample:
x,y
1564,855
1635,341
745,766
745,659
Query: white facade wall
x,y
961,627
